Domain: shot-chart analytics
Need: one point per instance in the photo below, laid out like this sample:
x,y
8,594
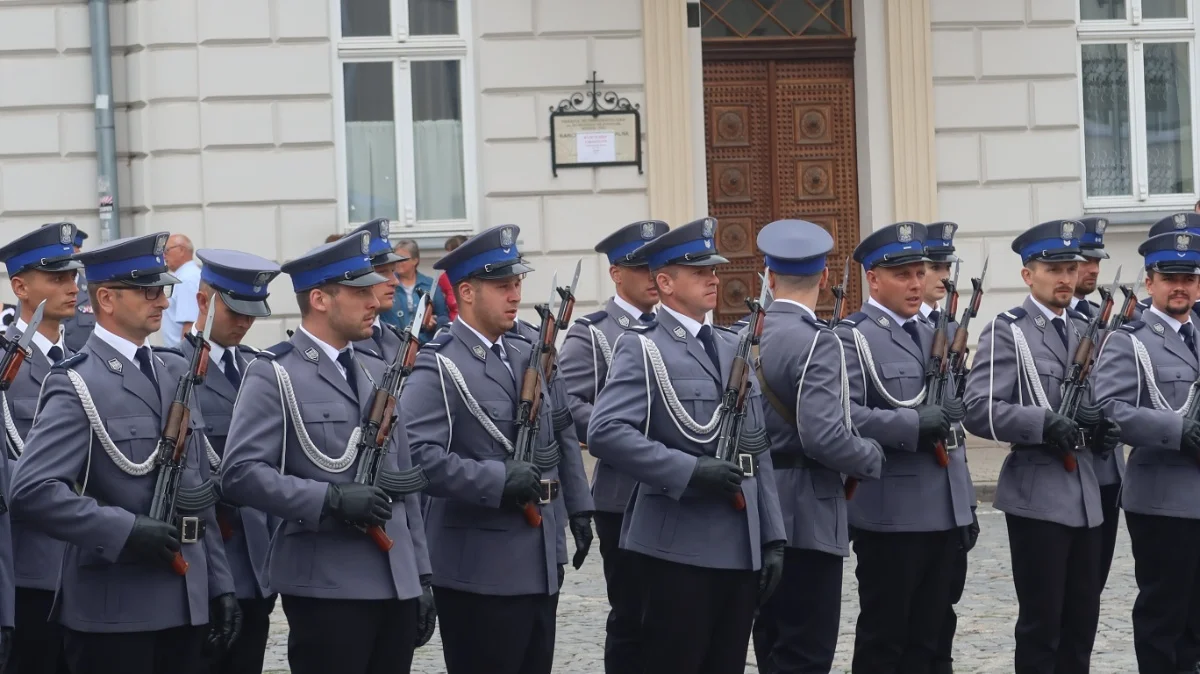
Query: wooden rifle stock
x,y
13,367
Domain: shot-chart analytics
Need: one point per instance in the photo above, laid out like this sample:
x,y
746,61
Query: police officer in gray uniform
x,y
1053,514
802,367
1110,467
584,361
905,525
77,328
496,574
40,269
292,452
382,343
240,282
1179,223
705,565
1146,380
88,471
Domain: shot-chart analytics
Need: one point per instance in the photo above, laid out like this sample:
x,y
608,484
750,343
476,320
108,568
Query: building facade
x,y
268,124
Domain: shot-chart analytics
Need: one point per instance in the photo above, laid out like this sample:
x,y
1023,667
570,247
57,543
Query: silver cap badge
x,y
904,233
647,230
506,236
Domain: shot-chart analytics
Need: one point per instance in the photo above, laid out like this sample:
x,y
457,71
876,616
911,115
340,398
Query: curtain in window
x,y
439,169
1107,149
371,170
1168,118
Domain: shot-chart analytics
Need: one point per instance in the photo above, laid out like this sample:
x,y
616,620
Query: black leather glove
x,y
771,572
150,541
956,410
933,424
522,483
581,531
426,612
1059,432
358,504
972,531
6,644
1089,416
1106,436
562,574
716,476
1189,441
224,624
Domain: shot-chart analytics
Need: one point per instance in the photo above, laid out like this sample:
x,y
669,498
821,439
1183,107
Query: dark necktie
x,y
1061,327
55,354
499,351
1189,336
1084,307
231,371
934,316
346,360
377,335
142,355
911,328
646,318
710,344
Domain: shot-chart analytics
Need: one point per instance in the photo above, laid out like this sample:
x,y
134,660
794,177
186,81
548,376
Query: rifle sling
x,y
777,404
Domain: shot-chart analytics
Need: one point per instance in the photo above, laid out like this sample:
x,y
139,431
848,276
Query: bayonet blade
x,y
845,274
418,319
762,295
553,292
957,269
983,274
1116,282
575,281
31,329
209,317
770,294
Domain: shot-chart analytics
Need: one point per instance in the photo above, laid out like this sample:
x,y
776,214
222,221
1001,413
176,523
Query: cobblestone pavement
x,y
986,616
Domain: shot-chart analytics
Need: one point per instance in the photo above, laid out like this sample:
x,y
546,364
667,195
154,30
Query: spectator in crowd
x,y
444,282
182,309
412,283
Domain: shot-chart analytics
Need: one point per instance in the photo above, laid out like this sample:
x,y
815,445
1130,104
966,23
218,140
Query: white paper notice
x,y
595,147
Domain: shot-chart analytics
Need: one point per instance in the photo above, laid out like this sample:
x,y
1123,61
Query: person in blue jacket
x,y
412,284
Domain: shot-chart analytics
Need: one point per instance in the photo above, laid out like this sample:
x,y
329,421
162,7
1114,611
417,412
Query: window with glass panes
x,y
406,113
1137,68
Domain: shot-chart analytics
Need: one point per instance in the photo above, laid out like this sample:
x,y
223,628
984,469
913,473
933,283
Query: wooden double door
x,y
780,144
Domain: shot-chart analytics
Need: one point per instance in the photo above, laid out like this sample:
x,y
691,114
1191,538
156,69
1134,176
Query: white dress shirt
x,y
330,352
40,340
689,324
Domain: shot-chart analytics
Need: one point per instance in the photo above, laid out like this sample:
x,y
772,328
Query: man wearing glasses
x,y
87,476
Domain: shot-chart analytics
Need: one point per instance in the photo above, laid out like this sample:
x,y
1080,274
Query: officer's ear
x,y
1027,273
19,287
464,292
614,273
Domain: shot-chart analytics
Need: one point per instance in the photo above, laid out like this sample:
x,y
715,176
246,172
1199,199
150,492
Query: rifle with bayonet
x,y
17,351
958,348
1075,384
377,428
170,497
1127,306
732,412
530,401
562,320
937,368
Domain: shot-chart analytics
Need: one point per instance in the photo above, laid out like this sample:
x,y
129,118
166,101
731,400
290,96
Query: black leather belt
x,y
550,490
788,460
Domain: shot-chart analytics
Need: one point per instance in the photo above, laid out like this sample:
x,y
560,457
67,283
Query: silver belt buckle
x,y
746,463
546,494
189,529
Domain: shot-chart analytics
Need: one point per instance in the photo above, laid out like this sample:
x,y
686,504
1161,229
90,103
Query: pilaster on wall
x,y
910,78
669,145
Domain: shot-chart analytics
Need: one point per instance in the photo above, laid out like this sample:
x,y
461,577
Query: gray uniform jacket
x,y
247,548
584,365
78,328
634,429
266,467
383,347
576,495
476,545
1000,406
1110,467
69,486
1158,479
801,360
38,557
913,493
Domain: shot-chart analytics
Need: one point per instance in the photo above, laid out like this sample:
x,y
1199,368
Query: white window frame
x,y
1135,32
401,50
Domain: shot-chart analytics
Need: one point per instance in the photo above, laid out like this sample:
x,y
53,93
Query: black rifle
x,y
958,348
530,402
733,398
1081,365
937,369
377,428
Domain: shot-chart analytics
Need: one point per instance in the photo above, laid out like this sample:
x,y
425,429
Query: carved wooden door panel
x,y
780,144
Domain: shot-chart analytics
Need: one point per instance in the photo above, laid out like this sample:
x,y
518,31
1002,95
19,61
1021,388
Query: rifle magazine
x,y
196,499
402,483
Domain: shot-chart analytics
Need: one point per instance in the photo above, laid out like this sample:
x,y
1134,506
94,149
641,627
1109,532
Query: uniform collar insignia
x,y
680,332
85,308
624,321
883,320
115,365
311,354
479,352
1040,321
1158,328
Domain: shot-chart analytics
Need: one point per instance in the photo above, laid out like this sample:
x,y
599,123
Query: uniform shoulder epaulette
x,y
168,349
68,363
519,334
732,329
1077,315
643,327
854,319
1013,314
813,320
247,348
593,318
275,351
439,340
1133,326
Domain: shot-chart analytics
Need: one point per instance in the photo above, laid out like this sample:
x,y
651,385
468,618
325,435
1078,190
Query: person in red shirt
x,y
444,283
